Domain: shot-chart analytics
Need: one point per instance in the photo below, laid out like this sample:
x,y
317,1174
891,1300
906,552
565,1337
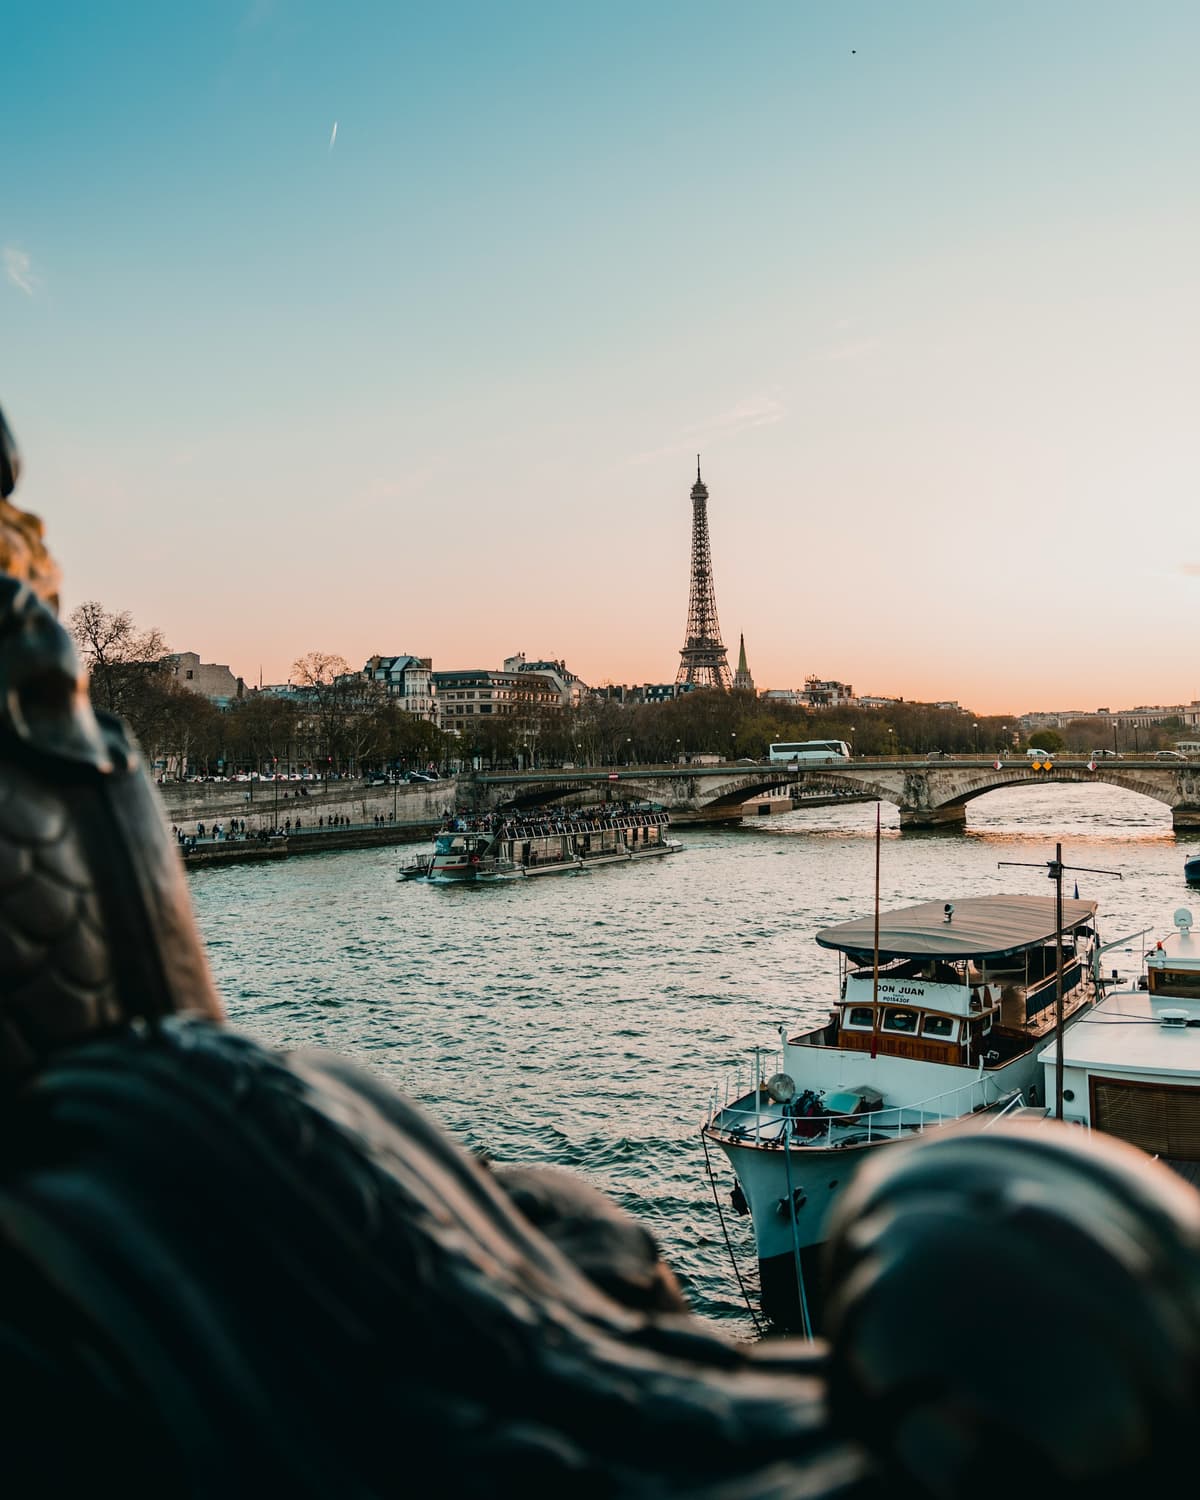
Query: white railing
x,y
773,1125
1016,1102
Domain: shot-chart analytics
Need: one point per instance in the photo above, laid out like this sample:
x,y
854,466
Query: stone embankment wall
x,y
251,850
417,805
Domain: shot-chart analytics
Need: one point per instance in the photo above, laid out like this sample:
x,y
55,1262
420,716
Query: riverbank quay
x,y
207,853
264,806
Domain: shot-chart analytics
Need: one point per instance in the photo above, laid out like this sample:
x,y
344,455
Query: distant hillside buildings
x,y
1126,718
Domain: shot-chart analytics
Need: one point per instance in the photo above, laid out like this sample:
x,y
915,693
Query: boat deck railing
x,y
751,1124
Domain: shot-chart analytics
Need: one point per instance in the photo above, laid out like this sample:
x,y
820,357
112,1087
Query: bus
x,y
811,751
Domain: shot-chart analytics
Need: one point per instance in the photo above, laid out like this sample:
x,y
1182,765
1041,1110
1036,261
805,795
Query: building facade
x,y
571,688
216,683
409,682
464,698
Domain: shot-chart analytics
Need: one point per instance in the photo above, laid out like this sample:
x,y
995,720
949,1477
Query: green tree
x,y
1047,739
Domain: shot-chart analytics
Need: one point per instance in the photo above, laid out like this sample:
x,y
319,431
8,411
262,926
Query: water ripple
x,y
582,1023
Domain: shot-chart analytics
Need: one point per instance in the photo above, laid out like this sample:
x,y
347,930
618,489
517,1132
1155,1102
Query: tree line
x,y
349,723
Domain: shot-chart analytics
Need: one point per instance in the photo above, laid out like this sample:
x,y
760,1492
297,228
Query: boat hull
x,y
791,1193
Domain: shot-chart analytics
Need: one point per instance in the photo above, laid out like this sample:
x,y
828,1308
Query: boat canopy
x,y
978,927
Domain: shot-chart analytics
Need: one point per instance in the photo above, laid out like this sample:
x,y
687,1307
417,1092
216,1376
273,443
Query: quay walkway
x,y
208,852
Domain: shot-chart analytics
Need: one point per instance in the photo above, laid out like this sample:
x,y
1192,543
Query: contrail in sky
x,y
333,135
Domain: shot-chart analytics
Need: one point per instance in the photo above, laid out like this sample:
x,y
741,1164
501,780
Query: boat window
x,y
940,1026
895,1019
860,1018
1181,982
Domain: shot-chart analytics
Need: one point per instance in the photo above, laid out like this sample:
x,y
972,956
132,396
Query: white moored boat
x,y
1131,1066
512,846
942,1011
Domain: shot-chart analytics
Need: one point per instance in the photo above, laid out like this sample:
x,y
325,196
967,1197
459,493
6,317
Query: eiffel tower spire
x,y
702,660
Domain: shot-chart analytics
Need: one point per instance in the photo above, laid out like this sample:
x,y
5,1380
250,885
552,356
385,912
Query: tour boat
x,y
1191,870
1131,1066
942,1009
513,846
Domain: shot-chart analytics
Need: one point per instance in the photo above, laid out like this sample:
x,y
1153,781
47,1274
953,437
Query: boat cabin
x,y
1173,964
1131,1068
964,984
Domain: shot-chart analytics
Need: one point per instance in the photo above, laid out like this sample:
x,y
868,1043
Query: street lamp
x,y
733,745
853,727
976,727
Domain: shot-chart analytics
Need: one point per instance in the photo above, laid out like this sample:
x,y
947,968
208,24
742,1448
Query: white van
x,y
1039,755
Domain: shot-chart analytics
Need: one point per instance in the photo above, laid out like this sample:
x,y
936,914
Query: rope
x,y
712,1182
787,1161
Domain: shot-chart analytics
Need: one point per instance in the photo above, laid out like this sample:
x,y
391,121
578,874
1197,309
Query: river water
x,y
581,1021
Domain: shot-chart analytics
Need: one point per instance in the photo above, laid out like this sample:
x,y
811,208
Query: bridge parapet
x,y
928,795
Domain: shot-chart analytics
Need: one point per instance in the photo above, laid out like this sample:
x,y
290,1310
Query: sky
x,y
392,327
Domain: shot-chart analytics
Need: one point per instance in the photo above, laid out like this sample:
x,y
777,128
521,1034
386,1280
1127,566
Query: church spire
x,y
742,678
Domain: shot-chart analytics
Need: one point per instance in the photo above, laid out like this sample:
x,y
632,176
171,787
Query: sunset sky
x,y
918,280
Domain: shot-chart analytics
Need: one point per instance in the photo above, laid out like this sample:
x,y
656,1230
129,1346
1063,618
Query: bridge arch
x,y
927,795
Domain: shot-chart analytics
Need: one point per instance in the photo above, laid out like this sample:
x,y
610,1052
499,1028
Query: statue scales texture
x,y
229,1271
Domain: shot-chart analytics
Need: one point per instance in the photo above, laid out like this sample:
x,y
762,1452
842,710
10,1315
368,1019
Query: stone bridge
x,y
928,795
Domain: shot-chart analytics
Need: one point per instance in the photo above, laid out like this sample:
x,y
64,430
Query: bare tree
x,y
116,653
326,675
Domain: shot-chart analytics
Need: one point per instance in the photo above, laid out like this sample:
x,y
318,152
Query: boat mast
x,y
1056,874
875,962
1056,867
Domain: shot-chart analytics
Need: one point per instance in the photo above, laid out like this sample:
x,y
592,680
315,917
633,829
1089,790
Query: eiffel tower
x,y
702,660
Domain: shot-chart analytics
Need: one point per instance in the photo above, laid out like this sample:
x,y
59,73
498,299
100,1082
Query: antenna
x,y
1054,868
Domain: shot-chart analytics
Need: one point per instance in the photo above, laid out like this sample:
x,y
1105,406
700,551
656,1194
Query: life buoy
x,y
474,859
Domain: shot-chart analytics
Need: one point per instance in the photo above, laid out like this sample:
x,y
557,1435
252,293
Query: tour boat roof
x,y
1127,1033
1179,949
980,927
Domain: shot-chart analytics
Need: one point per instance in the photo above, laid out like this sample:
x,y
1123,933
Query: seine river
x,y
581,1021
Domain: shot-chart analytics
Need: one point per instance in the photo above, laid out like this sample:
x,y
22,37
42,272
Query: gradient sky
x,y
919,280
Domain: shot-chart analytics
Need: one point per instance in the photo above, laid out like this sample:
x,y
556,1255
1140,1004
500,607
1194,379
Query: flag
x,y
1077,890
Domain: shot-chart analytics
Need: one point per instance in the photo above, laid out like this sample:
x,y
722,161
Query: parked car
x,y
1034,753
1169,755
939,755
1105,755
421,776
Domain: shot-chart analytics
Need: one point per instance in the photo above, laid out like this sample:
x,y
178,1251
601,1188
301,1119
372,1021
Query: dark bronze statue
x,y
227,1271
